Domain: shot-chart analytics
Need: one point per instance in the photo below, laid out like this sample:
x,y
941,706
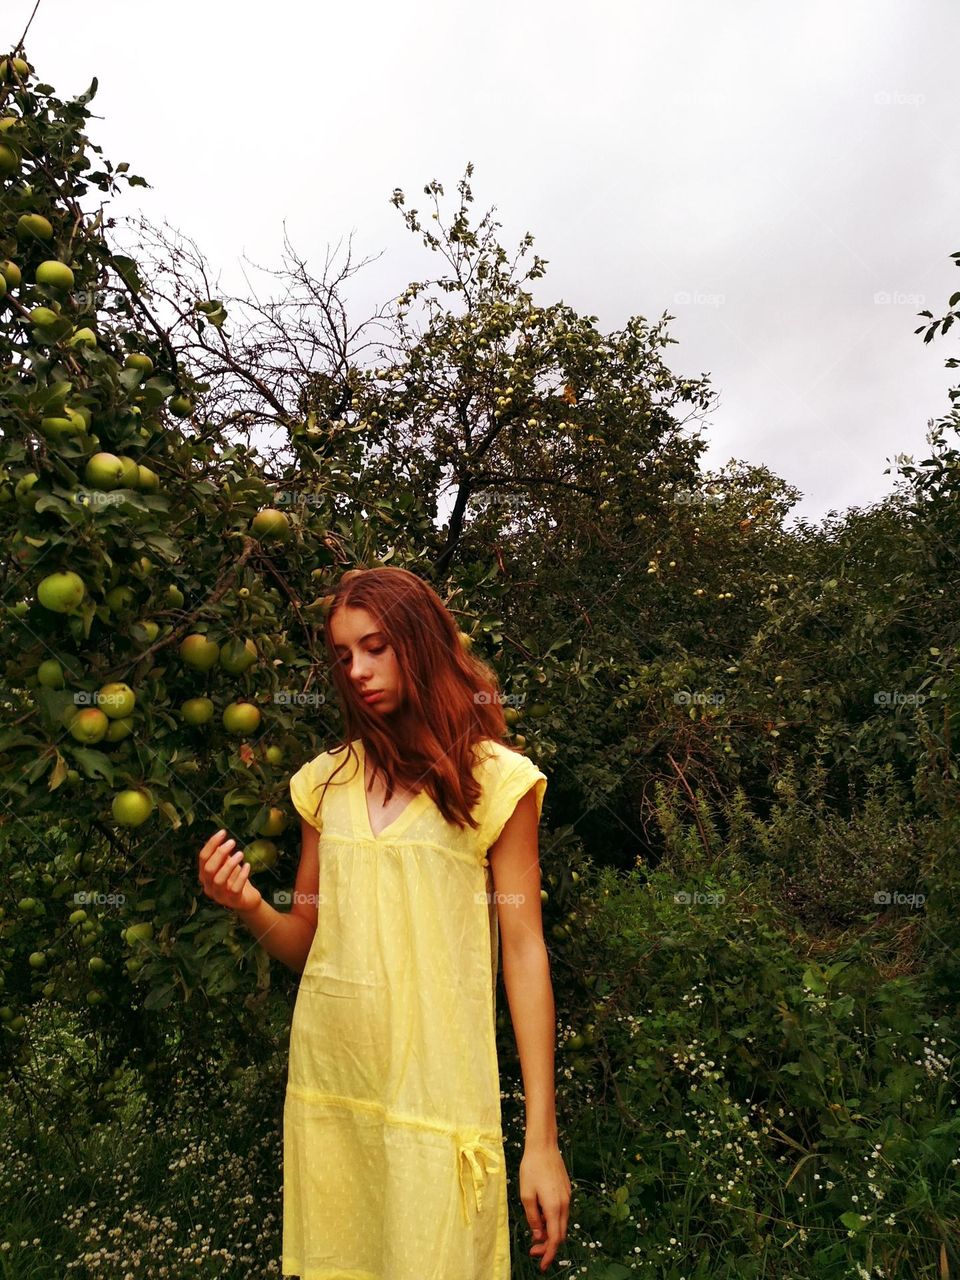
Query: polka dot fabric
x,y
393,1161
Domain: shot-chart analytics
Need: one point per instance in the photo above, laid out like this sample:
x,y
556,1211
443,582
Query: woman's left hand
x,y
545,1194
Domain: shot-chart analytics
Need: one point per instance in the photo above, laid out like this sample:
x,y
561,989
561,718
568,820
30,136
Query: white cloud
x,y
794,160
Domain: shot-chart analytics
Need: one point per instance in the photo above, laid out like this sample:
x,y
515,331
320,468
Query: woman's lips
x,y
372,697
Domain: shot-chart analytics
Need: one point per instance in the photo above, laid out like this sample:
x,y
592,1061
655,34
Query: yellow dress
x,y
393,1162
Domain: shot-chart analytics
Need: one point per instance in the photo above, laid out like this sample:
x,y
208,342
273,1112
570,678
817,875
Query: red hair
x,y
450,700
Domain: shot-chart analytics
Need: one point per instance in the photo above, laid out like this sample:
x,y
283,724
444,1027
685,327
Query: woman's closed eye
x,y
345,662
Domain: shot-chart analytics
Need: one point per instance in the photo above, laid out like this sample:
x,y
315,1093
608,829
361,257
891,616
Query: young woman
x,y
419,853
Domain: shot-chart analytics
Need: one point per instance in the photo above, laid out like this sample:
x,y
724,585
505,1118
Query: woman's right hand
x,y
225,877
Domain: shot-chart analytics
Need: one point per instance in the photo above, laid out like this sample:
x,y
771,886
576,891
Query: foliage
x,y
738,1099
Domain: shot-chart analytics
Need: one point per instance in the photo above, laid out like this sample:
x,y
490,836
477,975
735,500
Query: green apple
x,y
136,933
43,317
34,226
274,755
50,674
104,471
136,360
120,598
36,959
82,337
132,808
149,481
511,715
197,711
271,523
61,592
199,652
131,472
238,655
54,274
11,273
151,628
119,729
175,598
89,725
261,854
11,68
241,717
77,917
180,406
116,699
274,823
97,964
9,160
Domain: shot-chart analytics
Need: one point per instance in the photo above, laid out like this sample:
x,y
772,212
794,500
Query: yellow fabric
x,y
393,1161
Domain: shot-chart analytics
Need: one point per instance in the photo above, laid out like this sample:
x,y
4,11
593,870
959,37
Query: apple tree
x,y
160,648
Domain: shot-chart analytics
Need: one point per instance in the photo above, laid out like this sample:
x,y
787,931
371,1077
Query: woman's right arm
x,y
288,935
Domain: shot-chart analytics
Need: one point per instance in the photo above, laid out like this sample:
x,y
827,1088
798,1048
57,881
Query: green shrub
x,y
750,1106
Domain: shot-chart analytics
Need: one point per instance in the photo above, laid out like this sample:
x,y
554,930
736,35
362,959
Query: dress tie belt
x,y
482,1158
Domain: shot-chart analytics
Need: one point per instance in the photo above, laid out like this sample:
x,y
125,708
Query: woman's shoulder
x,y
307,784
494,758
487,749
505,775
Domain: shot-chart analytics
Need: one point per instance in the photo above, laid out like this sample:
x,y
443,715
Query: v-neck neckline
x,y
360,793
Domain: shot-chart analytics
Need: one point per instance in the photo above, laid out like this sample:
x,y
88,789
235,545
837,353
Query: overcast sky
x,y
782,179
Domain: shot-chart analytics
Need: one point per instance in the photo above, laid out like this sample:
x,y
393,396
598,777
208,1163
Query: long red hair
x,y
451,699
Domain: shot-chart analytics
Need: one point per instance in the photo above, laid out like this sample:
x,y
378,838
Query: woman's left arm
x,y
515,865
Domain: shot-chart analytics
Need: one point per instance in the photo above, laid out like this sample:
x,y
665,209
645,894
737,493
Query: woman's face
x,y
367,659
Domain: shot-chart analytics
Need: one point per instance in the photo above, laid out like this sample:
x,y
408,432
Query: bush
x,y
750,1106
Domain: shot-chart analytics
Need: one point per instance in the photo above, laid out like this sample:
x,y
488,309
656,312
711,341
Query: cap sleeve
x,y
510,776
306,788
